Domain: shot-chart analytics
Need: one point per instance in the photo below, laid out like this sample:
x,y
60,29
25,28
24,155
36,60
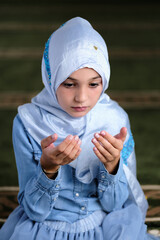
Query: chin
x,y
77,115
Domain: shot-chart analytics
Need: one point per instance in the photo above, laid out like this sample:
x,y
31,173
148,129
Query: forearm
x,y
112,167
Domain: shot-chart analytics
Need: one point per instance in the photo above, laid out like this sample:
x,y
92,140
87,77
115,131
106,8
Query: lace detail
x,y
46,59
127,149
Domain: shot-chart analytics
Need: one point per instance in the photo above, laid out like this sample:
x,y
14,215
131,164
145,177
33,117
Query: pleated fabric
x,y
124,224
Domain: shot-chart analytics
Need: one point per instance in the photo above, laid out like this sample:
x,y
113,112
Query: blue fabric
x,y
118,225
128,148
96,211
46,60
43,198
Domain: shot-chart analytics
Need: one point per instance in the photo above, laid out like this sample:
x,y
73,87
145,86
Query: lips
x,y
79,109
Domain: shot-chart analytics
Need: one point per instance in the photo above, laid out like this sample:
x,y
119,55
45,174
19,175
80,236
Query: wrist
x,y
50,174
50,171
48,167
112,167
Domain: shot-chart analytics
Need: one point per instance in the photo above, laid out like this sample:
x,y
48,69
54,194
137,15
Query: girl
x,y
74,150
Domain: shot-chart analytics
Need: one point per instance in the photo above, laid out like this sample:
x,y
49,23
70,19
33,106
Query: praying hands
x,y
107,148
54,156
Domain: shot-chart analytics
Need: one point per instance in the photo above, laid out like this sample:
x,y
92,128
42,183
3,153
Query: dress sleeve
x,y
112,189
37,193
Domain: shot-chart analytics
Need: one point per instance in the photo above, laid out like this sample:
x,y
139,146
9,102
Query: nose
x,y
81,95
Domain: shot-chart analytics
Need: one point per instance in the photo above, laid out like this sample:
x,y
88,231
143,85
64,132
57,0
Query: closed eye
x,y
94,84
68,85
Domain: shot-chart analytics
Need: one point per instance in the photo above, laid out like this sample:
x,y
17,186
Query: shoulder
x,y
119,114
19,133
111,105
21,137
25,113
116,107
18,125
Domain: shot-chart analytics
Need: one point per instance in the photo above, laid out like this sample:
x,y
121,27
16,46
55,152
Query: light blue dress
x,y
65,208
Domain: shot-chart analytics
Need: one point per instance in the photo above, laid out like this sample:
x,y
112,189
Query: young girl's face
x,y
79,93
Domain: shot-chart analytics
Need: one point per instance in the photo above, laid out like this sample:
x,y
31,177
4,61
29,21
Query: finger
x,y
71,149
122,135
46,142
105,151
77,154
108,150
108,141
99,155
116,143
67,160
72,155
63,145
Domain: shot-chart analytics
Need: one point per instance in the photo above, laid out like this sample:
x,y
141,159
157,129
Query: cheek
x,y
64,98
60,96
96,95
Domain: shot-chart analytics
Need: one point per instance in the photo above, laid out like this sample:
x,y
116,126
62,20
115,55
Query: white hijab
x,y
73,46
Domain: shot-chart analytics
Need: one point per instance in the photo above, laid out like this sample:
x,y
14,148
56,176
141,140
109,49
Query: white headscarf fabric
x,y
73,46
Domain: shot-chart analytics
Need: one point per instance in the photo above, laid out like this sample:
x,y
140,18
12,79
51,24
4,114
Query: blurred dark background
x,y
131,30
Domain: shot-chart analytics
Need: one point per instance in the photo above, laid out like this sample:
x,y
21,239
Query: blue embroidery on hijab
x,y
46,59
127,149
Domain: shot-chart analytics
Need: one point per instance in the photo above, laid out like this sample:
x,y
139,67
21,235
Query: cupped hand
x,y
54,156
107,148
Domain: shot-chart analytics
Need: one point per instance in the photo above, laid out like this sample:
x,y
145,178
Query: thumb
x,y
46,142
122,135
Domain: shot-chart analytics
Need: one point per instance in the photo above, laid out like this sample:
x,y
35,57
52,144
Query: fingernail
x,y
97,135
76,138
53,136
79,142
70,137
94,140
102,133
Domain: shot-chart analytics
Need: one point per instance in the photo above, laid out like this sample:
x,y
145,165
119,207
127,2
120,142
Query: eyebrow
x,y
74,79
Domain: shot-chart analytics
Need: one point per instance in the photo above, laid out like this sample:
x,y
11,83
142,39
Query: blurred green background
x,y
131,30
